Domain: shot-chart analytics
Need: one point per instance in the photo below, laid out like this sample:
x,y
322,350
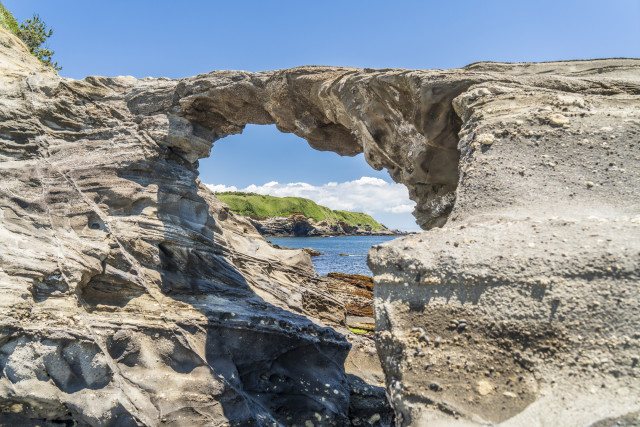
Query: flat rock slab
x,y
359,322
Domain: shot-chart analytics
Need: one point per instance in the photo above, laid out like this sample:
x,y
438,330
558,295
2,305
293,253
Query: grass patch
x,y
259,206
359,218
359,331
8,22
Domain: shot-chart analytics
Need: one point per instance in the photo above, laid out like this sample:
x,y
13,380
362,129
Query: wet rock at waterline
x,y
300,226
131,295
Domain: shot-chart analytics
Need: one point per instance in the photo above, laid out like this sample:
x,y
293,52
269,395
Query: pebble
x,y
484,387
434,386
485,138
558,120
589,184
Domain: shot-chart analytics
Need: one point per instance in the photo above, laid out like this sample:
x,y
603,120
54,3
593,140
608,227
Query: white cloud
x,y
403,208
367,180
367,194
221,187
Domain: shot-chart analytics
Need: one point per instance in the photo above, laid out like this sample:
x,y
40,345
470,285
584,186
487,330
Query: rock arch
x,y
100,197
399,120
506,142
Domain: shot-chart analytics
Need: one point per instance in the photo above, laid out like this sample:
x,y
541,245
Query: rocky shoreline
x,y
302,226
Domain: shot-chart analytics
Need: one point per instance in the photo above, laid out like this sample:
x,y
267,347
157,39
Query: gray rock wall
x,y
131,295
539,261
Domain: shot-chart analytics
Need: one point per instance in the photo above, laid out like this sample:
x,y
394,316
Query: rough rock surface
x,y
129,295
355,290
301,226
524,308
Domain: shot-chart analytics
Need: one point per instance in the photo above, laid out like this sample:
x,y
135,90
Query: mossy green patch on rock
x,y
360,331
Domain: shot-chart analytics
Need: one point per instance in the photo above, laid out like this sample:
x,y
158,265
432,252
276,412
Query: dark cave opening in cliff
x,y
264,160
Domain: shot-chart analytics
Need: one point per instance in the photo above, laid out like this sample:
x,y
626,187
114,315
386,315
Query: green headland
x,y
259,207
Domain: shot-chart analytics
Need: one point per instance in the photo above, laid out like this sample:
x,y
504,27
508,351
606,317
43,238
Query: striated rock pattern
x,y
355,290
130,295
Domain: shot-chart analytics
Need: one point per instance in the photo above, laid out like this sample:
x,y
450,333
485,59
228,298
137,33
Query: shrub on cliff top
x,y
8,21
33,32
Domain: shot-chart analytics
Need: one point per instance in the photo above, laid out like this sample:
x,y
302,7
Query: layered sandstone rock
x,y
131,295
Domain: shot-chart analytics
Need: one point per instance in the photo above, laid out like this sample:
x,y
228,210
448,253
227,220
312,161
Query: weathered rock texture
x,y
130,295
540,259
355,290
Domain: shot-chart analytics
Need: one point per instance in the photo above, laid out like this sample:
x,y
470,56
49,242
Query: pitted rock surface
x,y
130,295
540,261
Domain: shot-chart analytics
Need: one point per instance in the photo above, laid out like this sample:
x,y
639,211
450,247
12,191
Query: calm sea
x,y
356,247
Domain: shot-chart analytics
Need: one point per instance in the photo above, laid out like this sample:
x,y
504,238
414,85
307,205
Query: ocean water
x,y
356,247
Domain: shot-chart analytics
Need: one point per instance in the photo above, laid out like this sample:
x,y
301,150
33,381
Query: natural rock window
x,y
181,314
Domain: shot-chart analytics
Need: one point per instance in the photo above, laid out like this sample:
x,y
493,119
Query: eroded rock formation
x,y
131,295
524,308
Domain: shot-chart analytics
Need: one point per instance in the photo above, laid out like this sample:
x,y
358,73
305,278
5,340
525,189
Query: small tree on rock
x,y
34,33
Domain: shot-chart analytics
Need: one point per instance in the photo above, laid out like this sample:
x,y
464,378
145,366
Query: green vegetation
x,y
33,32
8,22
360,331
259,206
359,218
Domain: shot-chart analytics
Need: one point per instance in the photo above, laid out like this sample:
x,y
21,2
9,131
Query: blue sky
x,y
178,39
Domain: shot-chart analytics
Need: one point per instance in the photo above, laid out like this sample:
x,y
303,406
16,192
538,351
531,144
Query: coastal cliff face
x,y
297,216
299,226
131,295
